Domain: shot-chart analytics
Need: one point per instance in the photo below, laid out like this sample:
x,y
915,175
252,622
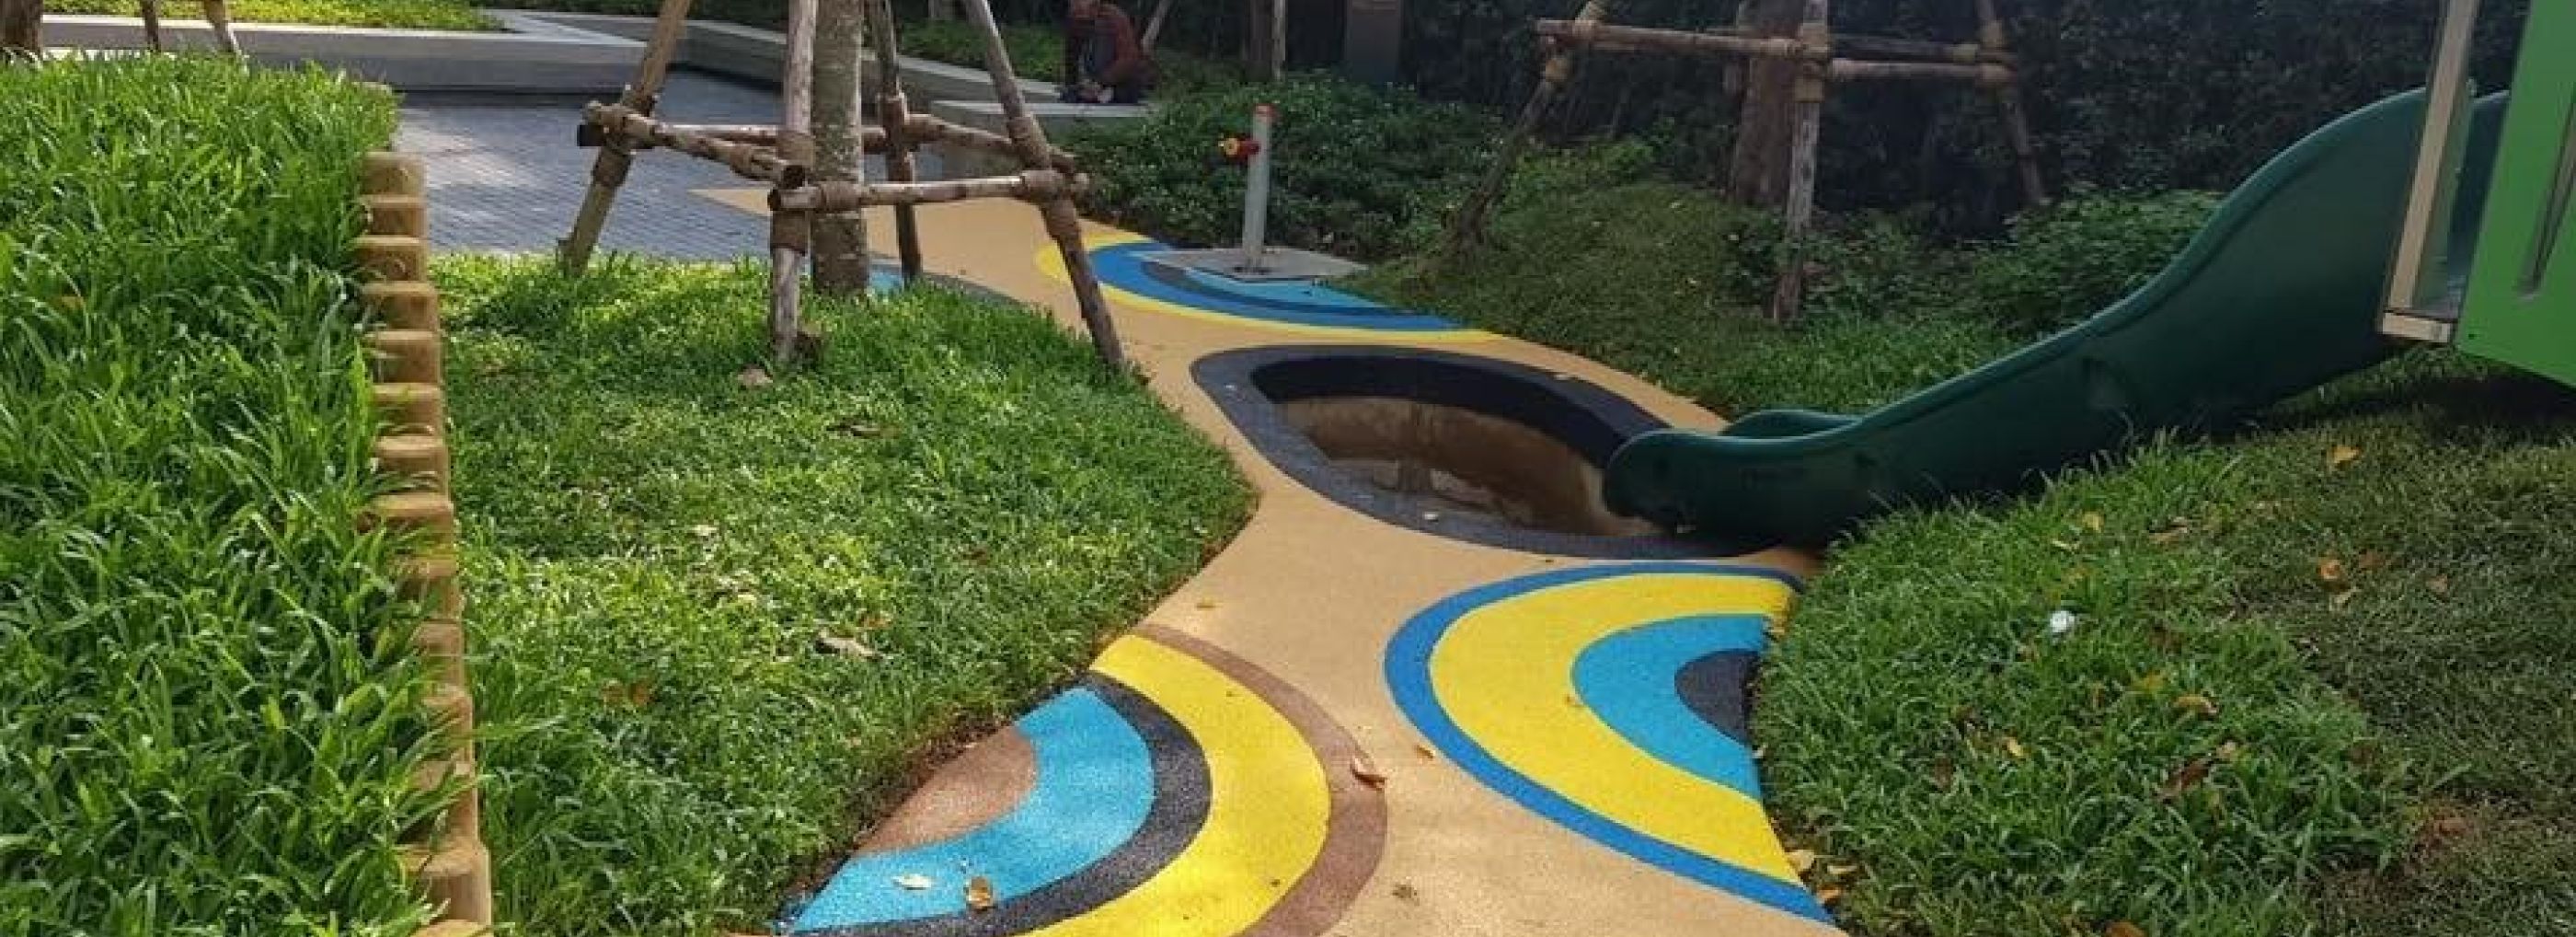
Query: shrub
x,y
1354,165
207,709
2067,261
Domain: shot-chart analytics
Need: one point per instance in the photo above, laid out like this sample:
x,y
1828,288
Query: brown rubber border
x,y
1355,830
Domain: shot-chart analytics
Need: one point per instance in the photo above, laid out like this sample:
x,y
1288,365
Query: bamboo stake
x,y
1469,227
608,170
791,232
1799,212
2008,102
219,17
1035,185
894,117
621,126
152,26
750,144
1063,223
1986,75
1609,37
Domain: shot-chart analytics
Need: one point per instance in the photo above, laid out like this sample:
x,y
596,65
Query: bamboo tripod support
x,y
1987,63
783,157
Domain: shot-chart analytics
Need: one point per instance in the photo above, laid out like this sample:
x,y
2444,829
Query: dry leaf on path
x,y
913,882
1800,860
2197,704
979,894
1367,771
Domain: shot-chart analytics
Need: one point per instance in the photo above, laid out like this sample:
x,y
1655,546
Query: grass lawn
x,y
2320,678
207,706
957,491
399,14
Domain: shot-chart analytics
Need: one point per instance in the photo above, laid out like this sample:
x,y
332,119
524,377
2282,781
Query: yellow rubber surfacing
x,y
1267,805
1311,594
1505,675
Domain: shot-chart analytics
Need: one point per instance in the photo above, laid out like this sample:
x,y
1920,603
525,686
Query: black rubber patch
x,y
1249,384
1719,688
1180,809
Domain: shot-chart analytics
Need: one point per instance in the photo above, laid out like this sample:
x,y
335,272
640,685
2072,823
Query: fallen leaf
x,y
913,882
1430,515
1573,702
704,530
1828,895
1424,752
2152,681
2184,778
2340,598
979,894
1944,773
1800,860
2441,585
1207,605
2229,750
2196,704
1840,871
2330,569
753,378
2340,456
2124,929
2370,560
2012,746
846,647
2167,536
1404,891
630,695
2062,545
854,426
2091,521
1367,771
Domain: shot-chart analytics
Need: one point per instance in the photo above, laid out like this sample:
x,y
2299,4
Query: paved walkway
x,y
507,177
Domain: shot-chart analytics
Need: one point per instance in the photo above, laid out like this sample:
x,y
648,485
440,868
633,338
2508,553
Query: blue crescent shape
x,y
1095,785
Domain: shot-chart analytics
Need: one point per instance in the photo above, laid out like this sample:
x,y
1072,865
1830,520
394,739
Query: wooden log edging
x,y
449,863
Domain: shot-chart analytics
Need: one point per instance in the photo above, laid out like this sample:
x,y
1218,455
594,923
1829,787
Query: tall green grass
x,y
656,553
205,722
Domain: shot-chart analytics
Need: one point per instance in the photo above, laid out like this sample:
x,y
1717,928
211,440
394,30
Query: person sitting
x,y
1103,61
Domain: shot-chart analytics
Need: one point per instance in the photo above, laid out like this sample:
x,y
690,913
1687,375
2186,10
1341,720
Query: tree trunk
x,y
840,152
1265,38
152,26
22,28
1758,175
219,15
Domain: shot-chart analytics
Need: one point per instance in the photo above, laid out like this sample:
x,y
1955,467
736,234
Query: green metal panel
x,y
2521,306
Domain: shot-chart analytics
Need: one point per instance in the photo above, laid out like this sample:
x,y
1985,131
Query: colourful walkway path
x,y
1346,725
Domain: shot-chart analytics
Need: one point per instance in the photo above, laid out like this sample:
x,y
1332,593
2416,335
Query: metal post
x,y
2415,282
1256,192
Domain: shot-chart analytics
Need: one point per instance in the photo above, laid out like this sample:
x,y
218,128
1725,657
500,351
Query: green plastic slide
x,y
2278,293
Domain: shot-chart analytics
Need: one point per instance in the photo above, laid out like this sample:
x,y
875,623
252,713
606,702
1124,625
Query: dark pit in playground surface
x,y
1474,449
